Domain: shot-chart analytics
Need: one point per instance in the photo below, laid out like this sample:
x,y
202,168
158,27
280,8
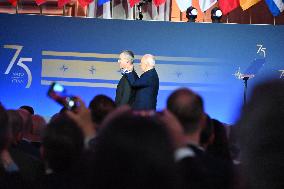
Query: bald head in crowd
x,y
187,106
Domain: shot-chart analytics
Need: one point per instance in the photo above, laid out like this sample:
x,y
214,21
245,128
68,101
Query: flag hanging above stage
x,y
133,2
101,2
159,2
275,6
84,3
183,4
39,2
61,3
228,5
206,4
245,4
13,2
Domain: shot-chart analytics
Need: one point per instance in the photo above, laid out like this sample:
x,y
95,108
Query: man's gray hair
x,y
129,55
150,59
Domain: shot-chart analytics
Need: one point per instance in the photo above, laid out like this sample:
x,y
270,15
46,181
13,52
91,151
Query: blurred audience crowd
x,y
103,146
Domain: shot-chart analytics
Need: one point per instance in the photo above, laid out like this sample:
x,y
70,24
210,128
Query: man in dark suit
x,y
197,168
147,86
124,93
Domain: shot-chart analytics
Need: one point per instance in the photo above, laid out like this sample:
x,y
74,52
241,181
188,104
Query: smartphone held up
x,y
58,93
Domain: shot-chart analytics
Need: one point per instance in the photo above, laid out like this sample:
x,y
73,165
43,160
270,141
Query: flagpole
x,y
17,7
95,8
170,14
228,18
40,9
87,11
274,20
64,10
249,16
134,11
111,9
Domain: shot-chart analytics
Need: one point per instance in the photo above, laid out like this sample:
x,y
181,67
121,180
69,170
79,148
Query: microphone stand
x,y
245,88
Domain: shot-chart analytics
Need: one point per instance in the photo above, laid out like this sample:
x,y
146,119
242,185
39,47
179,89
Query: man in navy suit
x,y
147,86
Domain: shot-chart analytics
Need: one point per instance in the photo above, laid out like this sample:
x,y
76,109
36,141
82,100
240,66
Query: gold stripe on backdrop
x,y
137,57
81,69
109,85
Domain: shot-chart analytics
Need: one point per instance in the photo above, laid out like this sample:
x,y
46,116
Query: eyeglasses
x,y
120,60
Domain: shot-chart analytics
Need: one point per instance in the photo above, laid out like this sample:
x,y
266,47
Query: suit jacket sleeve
x,y
137,82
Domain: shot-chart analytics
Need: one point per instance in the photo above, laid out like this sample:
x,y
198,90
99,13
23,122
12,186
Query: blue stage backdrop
x,y
82,55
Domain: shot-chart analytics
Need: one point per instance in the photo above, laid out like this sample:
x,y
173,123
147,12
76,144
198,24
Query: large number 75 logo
x,y
20,63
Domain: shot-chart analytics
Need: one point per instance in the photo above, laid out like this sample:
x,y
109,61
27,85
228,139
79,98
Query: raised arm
x,y
135,81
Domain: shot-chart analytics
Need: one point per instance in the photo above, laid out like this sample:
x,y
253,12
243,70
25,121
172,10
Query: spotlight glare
x,y
194,12
218,13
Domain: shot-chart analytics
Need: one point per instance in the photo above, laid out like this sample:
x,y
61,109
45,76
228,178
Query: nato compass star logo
x,y
282,73
92,70
63,68
206,74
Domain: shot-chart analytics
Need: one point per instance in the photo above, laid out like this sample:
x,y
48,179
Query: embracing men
x,y
144,89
